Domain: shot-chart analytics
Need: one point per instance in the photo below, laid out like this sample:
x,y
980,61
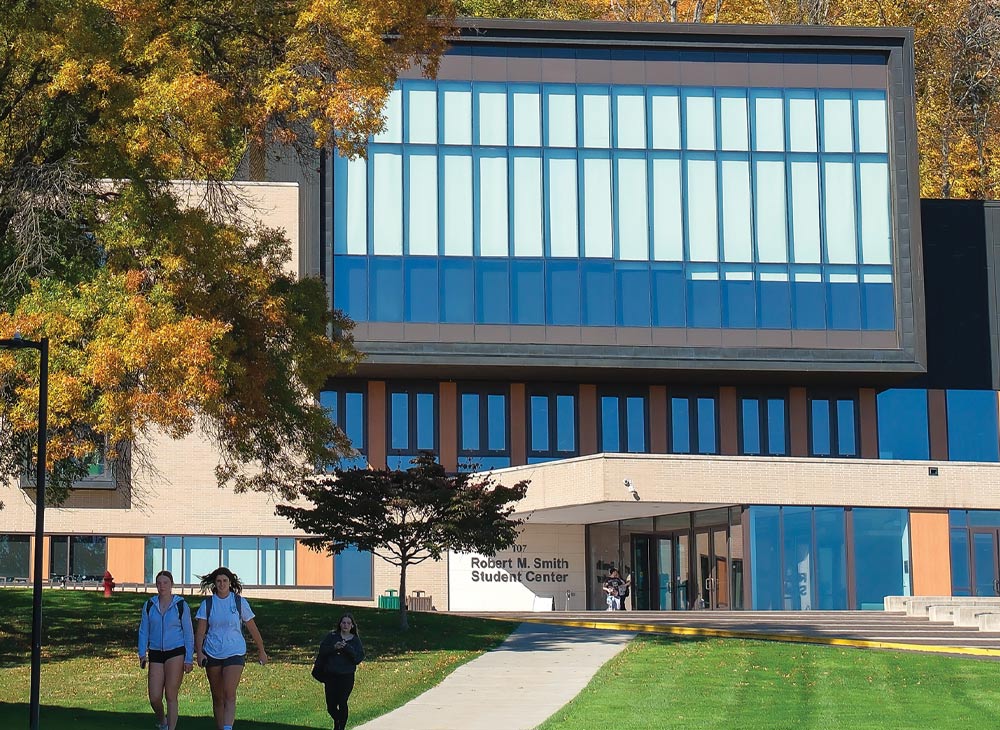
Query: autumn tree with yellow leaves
x,y
163,316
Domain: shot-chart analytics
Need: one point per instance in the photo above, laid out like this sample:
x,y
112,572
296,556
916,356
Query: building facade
x,y
679,277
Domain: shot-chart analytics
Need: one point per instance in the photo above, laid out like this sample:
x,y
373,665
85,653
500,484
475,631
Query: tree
x,y
407,517
163,314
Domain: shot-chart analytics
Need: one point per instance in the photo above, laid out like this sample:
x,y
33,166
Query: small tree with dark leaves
x,y
408,516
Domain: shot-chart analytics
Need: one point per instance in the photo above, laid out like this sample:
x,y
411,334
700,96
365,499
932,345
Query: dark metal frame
x,y
551,392
623,393
832,396
692,395
483,390
762,396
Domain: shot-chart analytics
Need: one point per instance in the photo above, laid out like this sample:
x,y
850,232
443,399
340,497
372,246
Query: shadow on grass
x,y
16,715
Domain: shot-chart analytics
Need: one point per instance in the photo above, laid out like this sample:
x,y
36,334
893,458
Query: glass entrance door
x,y
985,573
712,586
660,572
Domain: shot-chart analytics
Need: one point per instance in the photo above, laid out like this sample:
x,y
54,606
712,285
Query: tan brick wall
x,y
430,576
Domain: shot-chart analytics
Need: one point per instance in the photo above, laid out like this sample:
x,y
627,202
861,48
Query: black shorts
x,y
239,660
156,656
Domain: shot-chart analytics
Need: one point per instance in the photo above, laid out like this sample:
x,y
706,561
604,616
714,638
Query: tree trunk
x,y
404,623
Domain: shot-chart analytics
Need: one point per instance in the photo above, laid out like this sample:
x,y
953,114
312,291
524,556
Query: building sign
x,y
543,571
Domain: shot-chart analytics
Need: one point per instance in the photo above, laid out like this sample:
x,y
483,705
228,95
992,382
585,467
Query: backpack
x,y
180,607
239,606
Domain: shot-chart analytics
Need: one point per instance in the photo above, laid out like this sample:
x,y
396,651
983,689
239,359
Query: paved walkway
x,y
517,686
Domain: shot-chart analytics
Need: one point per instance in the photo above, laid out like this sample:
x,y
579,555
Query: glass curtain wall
x,y
263,561
15,558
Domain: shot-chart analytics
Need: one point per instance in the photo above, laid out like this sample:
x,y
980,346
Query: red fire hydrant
x,y
109,583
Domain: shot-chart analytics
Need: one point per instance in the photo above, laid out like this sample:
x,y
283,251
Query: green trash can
x,y
390,599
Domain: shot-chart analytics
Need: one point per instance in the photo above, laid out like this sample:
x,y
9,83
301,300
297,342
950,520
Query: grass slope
x,y
660,682
91,677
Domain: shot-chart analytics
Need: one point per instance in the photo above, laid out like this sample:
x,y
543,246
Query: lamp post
x,y
17,343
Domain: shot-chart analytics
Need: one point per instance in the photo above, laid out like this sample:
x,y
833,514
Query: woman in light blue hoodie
x,y
166,643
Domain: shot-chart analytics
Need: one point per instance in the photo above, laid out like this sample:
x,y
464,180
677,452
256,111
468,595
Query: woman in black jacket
x,y
339,656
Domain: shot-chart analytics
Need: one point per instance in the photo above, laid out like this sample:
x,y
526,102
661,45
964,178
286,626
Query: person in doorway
x,y
624,589
219,644
166,645
340,653
613,586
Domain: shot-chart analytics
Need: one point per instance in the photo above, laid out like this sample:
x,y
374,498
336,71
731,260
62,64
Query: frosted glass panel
x,y
737,223
876,236
631,120
802,124
805,213
699,122
357,206
493,206
387,220
703,227
633,227
837,124
596,120
769,124
528,206
457,191
772,243
423,209
457,117
422,120
393,113
872,131
597,208
735,132
493,118
563,237
668,233
527,119
561,125
666,121
838,199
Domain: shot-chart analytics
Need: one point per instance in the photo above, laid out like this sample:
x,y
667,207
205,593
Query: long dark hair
x,y
208,580
354,624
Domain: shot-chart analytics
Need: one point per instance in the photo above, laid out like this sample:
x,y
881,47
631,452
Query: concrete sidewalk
x,y
518,685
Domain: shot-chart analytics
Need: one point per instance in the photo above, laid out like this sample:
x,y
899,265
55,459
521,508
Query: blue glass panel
x,y
496,422
845,306
750,436
820,422
425,421
492,291
704,303
668,296
680,426
633,294
470,421
400,462
483,463
957,518
984,518
880,538
328,399
706,426
350,286
539,423
775,305
765,558
528,291
353,462
847,442
738,299
776,432
799,570
610,442
961,576
386,289
902,424
831,559
598,293
565,423
354,419
635,424
399,411
421,289
562,292
972,425
808,305
879,311
352,571
457,290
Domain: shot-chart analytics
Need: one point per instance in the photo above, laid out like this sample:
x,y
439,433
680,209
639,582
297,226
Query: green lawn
x,y
91,678
660,682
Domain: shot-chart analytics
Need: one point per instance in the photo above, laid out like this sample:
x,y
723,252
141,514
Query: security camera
x,y
628,485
